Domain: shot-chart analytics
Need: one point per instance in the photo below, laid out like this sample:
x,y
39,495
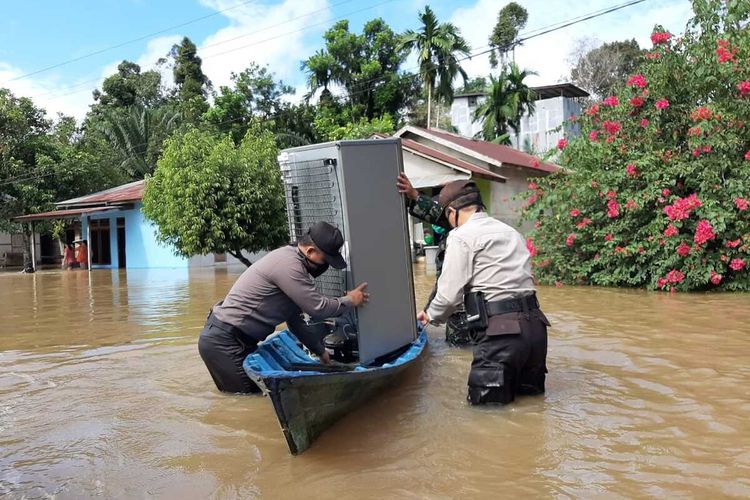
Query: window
x,y
472,101
99,244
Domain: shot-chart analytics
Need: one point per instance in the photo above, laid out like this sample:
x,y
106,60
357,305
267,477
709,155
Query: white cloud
x,y
277,35
70,98
548,54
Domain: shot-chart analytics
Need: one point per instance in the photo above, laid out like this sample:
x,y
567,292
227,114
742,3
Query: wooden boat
x,y
309,397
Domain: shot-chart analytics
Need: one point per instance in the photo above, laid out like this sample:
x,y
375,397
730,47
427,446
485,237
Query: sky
x,y
58,52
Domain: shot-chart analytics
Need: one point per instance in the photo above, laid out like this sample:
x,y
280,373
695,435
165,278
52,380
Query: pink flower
x,y
661,37
644,123
611,101
558,284
665,192
704,232
535,162
561,144
675,276
724,52
682,207
532,199
701,113
737,264
611,195
661,282
612,127
662,104
741,204
637,81
671,231
533,185
570,239
530,247
593,110
631,205
715,278
594,184
706,149
637,102
583,223
744,87
575,212
734,243
696,152
613,209
593,135
653,55
609,237
683,250
747,155
631,170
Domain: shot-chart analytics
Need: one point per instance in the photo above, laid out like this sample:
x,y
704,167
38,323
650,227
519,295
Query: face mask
x,y
314,268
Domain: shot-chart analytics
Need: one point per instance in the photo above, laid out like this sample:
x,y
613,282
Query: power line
x,y
80,84
209,56
128,42
535,33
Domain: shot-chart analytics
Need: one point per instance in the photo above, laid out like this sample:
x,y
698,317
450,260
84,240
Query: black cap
x,y
454,190
329,241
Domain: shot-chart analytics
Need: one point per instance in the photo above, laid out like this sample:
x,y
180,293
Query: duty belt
x,y
521,304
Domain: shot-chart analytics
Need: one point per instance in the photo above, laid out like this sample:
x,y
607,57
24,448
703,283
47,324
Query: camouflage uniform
x,y
430,211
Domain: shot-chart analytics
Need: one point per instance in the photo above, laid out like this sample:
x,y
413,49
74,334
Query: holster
x,y
476,310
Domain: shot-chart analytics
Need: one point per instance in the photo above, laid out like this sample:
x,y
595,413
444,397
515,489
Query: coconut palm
x,y
137,135
320,68
438,47
508,99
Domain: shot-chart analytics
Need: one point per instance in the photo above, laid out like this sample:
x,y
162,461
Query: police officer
x,y
429,210
276,289
488,267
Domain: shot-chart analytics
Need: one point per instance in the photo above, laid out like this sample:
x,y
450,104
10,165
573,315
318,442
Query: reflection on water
x,y
102,392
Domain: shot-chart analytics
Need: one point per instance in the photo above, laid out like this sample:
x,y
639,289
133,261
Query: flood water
x,y
102,393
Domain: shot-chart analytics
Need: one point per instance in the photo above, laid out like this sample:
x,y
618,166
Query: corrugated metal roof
x,y
130,192
446,158
496,152
61,214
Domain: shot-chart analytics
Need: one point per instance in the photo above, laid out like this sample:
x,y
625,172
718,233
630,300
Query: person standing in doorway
x,y
69,258
82,254
488,267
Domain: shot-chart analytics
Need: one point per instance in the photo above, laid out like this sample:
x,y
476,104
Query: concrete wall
x,y
13,243
538,129
141,248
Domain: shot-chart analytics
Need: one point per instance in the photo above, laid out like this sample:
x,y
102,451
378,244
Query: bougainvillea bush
x,y
657,189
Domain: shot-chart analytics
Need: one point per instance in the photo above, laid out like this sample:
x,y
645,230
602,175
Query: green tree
x,y
255,95
366,66
329,126
601,69
137,135
476,84
192,84
508,99
129,86
41,162
209,196
511,19
658,186
438,47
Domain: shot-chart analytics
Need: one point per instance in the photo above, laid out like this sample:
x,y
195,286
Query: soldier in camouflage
x,y
429,210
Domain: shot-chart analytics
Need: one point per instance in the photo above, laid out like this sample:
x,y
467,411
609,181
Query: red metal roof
x,y
497,152
61,214
446,158
130,192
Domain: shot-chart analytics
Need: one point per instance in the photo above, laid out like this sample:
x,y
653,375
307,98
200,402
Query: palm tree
x,y
438,47
137,135
508,99
522,95
320,67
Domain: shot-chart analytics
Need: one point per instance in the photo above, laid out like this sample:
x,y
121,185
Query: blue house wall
x,y
141,248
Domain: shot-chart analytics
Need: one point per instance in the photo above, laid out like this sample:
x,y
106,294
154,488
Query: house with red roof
x,y
501,172
117,232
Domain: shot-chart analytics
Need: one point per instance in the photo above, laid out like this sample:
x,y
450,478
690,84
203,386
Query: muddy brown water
x,y
102,393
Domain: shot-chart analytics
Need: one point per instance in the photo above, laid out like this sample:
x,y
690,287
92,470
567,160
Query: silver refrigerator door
x,y
378,239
